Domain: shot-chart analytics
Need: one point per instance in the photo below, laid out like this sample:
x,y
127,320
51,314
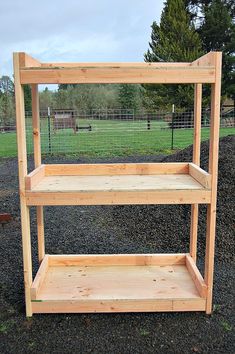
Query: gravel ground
x,y
113,229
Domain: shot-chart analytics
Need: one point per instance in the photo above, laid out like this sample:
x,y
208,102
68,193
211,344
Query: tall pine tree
x,y
175,39
218,33
128,96
214,20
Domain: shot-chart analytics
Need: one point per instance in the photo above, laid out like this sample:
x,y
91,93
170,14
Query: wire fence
x,y
118,131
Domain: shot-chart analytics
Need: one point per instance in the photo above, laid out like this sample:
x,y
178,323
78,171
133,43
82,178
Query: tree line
x,y
187,30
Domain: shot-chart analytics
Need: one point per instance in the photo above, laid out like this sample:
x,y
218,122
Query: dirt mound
x,y
167,227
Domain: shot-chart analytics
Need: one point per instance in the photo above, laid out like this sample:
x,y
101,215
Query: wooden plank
x,y
33,178
193,230
116,183
189,305
36,126
167,75
22,166
122,198
26,61
114,64
97,282
37,163
40,231
197,123
213,170
200,175
196,276
118,306
116,169
40,276
196,161
117,259
209,59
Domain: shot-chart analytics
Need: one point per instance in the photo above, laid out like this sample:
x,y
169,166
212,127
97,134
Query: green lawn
x,y
107,138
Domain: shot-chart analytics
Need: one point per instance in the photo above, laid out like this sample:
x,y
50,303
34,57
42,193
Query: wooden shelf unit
x,y
118,283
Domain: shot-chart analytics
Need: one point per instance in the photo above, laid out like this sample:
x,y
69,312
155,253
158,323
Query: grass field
x,y
107,138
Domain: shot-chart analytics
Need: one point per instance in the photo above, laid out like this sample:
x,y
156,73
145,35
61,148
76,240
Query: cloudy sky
x,y
76,30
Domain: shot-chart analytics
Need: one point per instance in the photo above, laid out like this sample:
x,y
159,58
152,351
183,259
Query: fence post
x,y
49,128
148,122
172,127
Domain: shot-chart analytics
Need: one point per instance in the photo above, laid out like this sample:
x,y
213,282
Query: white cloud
x,y
70,30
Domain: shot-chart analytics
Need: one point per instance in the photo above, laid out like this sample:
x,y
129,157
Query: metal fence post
x,y
172,127
49,128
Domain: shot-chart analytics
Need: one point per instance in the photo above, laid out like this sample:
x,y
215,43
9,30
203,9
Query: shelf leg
x,y
37,162
213,170
196,160
22,166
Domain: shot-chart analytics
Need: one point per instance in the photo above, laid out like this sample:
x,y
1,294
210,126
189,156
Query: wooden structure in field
x,y
64,119
120,282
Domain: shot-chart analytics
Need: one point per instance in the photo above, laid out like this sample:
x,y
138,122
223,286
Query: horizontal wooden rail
x,y
121,198
117,259
117,169
114,64
167,74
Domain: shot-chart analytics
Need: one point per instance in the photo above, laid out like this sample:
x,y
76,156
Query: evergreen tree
x,y
215,25
46,99
27,98
197,8
218,33
128,96
6,100
175,39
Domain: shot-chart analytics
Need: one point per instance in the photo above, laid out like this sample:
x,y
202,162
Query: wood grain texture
x,y
117,259
37,163
196,276
207,59
116,283
26,61
96,306
117,169
22,168
116,183
40,276
119,198
34,177
196,161
200,175
213,170
121,74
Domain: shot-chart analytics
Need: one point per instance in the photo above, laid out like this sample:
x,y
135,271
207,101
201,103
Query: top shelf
x,y
201,70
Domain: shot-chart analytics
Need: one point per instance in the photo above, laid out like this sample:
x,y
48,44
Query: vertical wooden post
x,y
37,162
196,160
22,166
213,170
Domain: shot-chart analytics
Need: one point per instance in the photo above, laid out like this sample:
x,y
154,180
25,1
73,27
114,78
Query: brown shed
x,y
64,119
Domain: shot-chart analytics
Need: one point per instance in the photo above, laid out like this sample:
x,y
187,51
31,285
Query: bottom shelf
x,y
118,283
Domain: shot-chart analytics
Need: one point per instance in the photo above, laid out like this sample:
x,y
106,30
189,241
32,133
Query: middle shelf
x,y
106,184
